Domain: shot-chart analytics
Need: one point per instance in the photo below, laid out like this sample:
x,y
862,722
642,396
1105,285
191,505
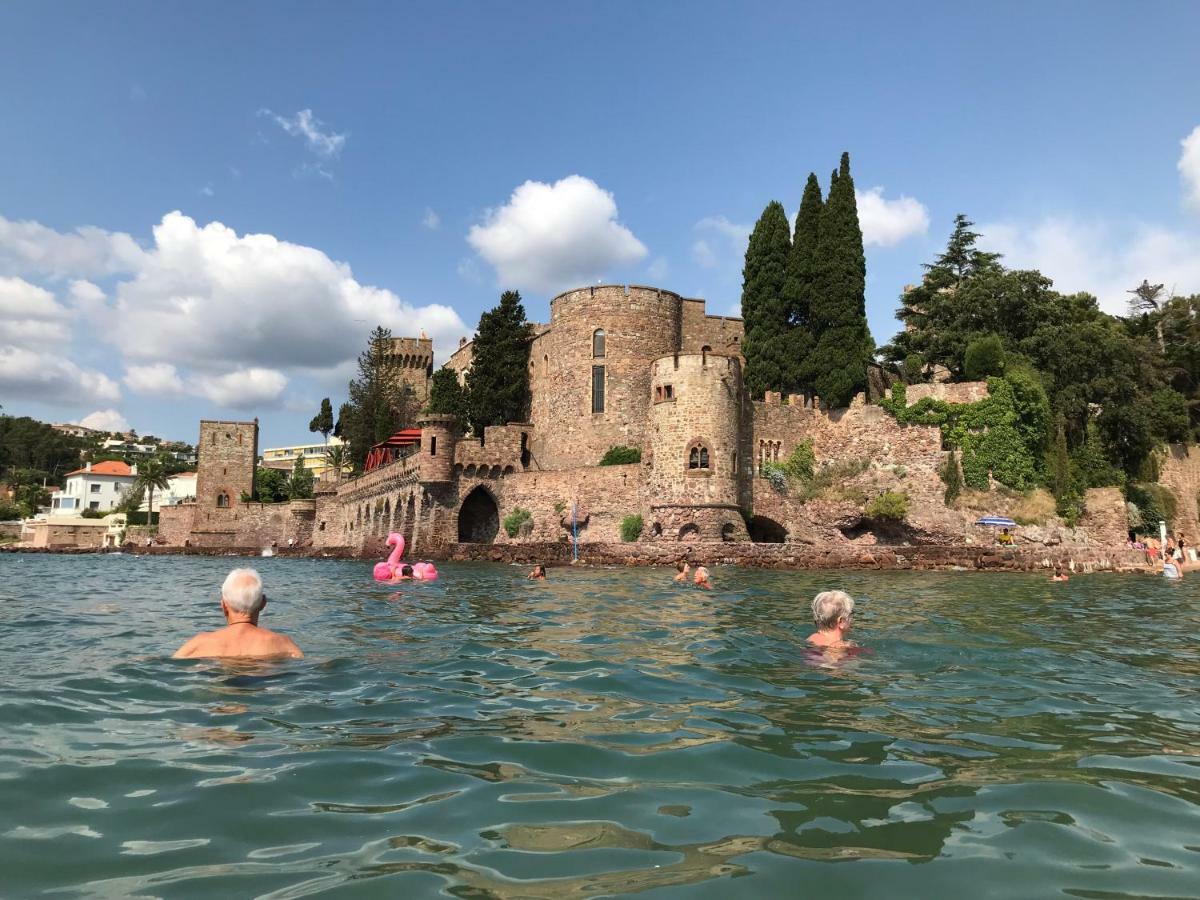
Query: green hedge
x,y
515,519
631,528
621,456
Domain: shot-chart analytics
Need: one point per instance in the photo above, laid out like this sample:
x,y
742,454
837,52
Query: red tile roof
x,y
109,467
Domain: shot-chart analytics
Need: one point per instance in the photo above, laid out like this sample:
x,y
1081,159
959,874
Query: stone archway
x,y
689,532
766,531
478,518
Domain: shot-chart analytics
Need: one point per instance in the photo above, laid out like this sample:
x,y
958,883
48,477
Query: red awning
x,y
391,449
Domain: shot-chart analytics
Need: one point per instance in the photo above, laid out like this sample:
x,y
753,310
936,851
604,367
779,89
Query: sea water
x,y
603,732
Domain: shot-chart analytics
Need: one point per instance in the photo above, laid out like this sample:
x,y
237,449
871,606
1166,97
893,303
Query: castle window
x,y
598,388
433,446
698,457
657,394
222,501
668,392
598,344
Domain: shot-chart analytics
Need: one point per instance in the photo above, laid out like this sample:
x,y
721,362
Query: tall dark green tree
x,y
837,367
764,307
498,382
380,402
323,421
300,483
446,395
799,287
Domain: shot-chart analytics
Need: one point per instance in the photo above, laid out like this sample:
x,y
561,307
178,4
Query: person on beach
x,y
702,578
1059,575
538,573
1171,569
832,613
682,570
242,601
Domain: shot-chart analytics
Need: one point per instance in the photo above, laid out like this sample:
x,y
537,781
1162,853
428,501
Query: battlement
x,y
410,352
591,300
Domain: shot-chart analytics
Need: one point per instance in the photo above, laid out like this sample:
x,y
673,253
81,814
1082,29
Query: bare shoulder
x,y
285,646
193,646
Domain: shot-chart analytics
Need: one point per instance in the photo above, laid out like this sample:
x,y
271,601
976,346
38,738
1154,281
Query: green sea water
x,y
602,733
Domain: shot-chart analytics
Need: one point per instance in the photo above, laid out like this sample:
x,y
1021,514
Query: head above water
x,y
406,571
242,592
830,607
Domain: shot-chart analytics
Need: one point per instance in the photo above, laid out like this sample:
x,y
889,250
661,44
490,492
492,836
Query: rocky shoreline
x,y
925,557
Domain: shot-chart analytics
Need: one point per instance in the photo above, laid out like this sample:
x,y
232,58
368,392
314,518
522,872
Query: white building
x,y
98,487
180,488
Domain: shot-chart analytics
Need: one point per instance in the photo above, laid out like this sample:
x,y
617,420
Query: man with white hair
x,y
242,600
832,612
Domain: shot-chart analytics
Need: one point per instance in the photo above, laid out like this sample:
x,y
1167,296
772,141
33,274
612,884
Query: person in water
x,y
832,613
702,578
1171,569
681,570
242,601
538,573
1059,575
402,573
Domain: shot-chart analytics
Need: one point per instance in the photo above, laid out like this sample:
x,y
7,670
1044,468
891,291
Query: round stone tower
x,y
590,372
439,434
696,403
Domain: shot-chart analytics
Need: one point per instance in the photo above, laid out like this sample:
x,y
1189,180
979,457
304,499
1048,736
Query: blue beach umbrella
x,y
997,521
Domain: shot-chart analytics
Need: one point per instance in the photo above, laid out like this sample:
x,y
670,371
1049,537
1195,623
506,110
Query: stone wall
x,y
413,359
1104,517
963,392
1180,473
69,534
721,334
501,448
603,495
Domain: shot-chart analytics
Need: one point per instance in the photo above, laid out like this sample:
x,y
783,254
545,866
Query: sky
x,y
206,208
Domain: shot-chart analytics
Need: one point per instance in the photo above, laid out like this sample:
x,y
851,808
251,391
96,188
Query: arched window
x,y
598,344
222,501
698,456
704,457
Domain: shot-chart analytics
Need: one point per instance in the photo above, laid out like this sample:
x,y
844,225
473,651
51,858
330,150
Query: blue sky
x,y
259,184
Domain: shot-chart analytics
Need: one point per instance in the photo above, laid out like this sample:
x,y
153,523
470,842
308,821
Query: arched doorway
x,y
478,518
689,532
766,531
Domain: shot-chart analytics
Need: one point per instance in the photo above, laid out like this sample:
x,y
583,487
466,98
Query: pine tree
x,y
380,402
498,382
764,308
837,367
323,421
446,395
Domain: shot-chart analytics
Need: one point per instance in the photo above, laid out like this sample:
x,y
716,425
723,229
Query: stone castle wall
x,y
964,392
413,358
1180,473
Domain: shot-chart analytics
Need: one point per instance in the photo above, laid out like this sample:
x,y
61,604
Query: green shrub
x,y
951,477
800,462
631,528
92,514
831,477
891,505
775,475
621,456
1155,503
9,511
515,519
984,358
560,507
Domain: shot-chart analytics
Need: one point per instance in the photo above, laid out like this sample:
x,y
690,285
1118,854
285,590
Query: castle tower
x,y
228,452
414,359
439,434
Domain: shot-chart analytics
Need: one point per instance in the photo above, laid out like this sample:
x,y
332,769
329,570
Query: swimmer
x,y
832,614
538,573
402,573
242,601
1059,575
682,569
702,578
1171,569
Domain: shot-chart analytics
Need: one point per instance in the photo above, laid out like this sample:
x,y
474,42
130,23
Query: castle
x,y
638,367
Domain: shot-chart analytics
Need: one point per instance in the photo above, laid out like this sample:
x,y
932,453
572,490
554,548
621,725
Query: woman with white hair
x,y
832,613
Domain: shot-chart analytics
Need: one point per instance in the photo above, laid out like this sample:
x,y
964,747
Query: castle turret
x,y
439,434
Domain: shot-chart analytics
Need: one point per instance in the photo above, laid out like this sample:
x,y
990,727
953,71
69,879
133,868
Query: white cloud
x,y
105,420
30,316
243,389
724,242
305,125
207,190
703,253
550,237
1101,258
52,378
33,249
886,223
431,220
1189,168
658,270
160,379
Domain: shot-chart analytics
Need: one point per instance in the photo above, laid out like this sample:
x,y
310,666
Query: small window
x,y
704,457
668,392
95,488
433,446
598,344
698,457
222,501
597,389
95,504
657,394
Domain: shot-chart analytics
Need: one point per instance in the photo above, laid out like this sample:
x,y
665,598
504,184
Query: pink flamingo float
x,y
389,569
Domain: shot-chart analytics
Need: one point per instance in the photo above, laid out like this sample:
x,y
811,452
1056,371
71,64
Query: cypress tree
x,y
798,288
498,382
446,395
764,309
837,367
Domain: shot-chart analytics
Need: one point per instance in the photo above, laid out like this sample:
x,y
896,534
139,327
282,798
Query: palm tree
x,y
152,473
337,457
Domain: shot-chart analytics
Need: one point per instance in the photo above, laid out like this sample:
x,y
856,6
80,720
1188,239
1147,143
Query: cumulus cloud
x,y
1101,258
305,125
723,240
160,379
30,315
1189,168
431,220
886,223
658,270
549,237
31,248
52,378
105,420
243,389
